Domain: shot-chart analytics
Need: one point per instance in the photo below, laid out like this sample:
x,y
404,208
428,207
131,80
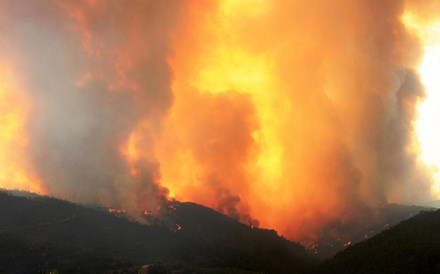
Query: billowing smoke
x,y
94,70
290,114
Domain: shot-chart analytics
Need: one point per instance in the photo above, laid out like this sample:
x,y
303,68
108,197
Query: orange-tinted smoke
x,y
16,171
124,49
295,114
96,73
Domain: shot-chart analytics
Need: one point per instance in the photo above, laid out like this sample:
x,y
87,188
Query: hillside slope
x,y
413,246
182,236
337,236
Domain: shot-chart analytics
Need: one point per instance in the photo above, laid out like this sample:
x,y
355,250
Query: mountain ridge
x,y
207,241
412,246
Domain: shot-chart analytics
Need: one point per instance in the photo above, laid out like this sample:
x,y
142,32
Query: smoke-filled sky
x,y
287,114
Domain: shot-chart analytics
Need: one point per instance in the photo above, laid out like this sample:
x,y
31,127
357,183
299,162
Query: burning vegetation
x,y
280,114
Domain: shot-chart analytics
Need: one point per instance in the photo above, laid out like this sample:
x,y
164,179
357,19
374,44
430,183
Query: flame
x,y
427,125
15,170
117,211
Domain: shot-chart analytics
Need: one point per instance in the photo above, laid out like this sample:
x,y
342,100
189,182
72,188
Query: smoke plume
x,y
284,113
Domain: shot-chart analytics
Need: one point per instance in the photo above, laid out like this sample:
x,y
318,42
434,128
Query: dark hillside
x,y
413,246
27,255
180,237
337,237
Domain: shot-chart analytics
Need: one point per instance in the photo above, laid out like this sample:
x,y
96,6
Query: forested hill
x,y
413,246
41,234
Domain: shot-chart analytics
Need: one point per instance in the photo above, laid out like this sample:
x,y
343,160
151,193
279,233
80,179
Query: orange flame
x,y
117,211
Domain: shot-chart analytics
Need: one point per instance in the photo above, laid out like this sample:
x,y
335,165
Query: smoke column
x,y
94,71
279,113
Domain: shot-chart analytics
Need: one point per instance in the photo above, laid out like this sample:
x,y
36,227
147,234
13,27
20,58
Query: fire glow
x,y
277,113
428,128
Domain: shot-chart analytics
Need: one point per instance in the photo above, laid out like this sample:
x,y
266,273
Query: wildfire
x,y
283,114
232,139
273,121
